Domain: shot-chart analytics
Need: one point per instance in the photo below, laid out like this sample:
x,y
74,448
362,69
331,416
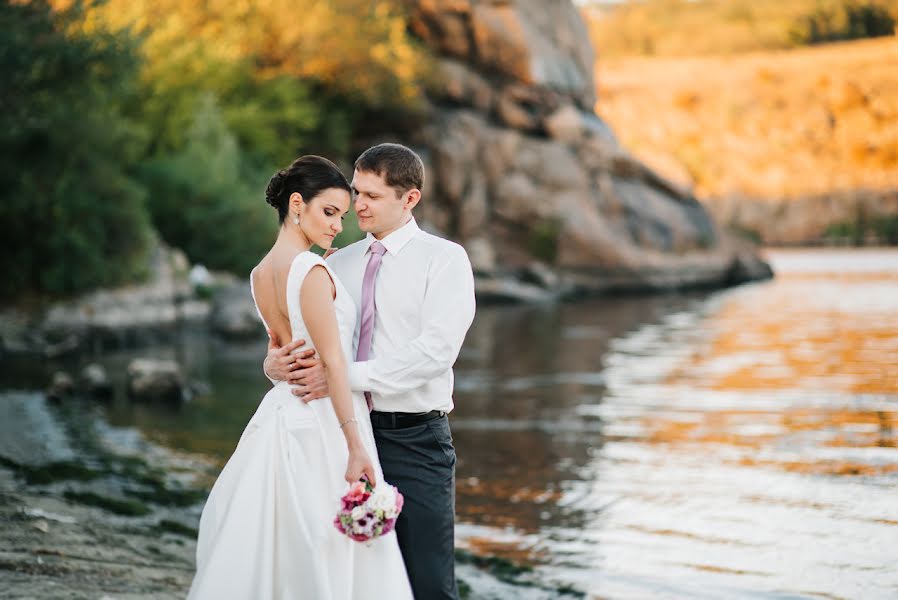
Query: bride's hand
x,y
360,464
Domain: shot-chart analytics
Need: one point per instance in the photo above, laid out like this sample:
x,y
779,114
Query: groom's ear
x,y
414,196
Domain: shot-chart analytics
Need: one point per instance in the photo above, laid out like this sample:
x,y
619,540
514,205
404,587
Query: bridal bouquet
x,y
367,512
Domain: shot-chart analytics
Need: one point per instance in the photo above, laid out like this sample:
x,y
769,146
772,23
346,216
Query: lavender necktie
x,y
369,307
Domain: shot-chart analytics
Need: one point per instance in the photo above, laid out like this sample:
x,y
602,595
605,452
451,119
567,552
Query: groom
x,y
415,295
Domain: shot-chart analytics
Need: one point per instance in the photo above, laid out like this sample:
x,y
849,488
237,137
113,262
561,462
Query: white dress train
x,y
267,530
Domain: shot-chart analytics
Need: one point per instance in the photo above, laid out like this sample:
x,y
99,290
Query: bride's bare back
x,y
270,290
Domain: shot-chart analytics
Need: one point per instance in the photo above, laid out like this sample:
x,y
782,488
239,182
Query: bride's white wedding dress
x,y
267,528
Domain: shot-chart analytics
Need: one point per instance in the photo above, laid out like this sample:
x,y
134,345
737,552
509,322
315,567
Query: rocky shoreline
x,y
142,314
86,510
96,512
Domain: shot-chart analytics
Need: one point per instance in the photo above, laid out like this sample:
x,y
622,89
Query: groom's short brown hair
x,y
400,166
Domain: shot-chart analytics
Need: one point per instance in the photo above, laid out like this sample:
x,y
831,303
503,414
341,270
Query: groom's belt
x,y
399,420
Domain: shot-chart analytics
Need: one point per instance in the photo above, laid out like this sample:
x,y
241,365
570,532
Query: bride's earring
x,y
296,220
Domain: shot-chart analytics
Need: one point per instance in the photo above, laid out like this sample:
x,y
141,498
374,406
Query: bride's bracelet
x,y
348,421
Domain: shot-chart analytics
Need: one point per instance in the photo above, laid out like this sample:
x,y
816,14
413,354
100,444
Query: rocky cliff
x,y
531,181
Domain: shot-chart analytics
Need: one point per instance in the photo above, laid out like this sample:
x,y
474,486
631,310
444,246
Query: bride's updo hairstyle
x,y
309,175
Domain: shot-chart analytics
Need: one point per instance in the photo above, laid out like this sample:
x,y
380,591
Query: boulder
x,y
61,386
95,382
234,315
152,380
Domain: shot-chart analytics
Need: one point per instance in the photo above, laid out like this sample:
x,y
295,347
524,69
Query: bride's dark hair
x,y
309,175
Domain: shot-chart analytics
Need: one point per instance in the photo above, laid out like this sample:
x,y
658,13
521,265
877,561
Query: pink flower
x,y
357,494
367,513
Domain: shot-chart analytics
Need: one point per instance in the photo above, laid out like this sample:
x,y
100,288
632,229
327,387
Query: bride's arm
x,y
317,306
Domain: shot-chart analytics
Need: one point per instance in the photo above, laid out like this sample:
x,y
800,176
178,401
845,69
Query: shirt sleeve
x,y
447,314
273,381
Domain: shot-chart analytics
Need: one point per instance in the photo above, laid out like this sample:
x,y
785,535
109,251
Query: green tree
x,y
71,218
208,200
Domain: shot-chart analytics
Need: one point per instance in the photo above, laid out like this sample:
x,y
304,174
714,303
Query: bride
x,y
267,530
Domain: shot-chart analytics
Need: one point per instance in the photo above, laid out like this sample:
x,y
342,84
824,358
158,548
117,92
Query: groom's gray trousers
x,y
419,459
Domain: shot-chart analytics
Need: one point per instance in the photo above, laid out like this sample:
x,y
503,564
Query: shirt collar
x,y
396,240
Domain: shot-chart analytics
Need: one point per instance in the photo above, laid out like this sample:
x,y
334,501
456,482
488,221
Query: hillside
x,y
765,124
778,125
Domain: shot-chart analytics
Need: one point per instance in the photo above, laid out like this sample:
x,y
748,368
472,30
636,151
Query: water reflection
x,y
738,445
741,444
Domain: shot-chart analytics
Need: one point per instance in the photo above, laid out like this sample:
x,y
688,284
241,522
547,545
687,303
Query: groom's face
x,y
381,209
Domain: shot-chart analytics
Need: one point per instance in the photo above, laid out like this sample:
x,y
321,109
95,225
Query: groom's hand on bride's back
x,y
309,379
302,370
280,362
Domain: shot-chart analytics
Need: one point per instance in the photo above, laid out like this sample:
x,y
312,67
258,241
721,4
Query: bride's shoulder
x,y
303,263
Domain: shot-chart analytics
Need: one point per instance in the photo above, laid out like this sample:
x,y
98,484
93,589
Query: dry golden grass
x,y
772,124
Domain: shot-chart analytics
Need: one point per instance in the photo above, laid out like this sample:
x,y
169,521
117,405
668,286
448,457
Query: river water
x,y
741,444
738,444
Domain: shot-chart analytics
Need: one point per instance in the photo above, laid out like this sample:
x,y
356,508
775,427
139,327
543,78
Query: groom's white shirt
x,y
424,295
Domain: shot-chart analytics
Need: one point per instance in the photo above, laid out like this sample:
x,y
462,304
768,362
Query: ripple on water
x,y
744,446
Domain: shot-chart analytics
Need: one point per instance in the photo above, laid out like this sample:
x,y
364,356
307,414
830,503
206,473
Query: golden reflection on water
x,y
802,333
831,332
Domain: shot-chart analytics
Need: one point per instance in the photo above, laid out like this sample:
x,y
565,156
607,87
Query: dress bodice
x,y
343,305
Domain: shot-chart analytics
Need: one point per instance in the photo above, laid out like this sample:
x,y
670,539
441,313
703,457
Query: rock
x,y
508,289
109,317
95,382
30,431
805,220
515,114
156,380
434,217
540,43
61,385
200,276
41,525
500,39
552,165
501,147
543,275
465,86
474,211
448,32
481,254
565,124
525,171
234,314
597,128
516,199
747,266
452,157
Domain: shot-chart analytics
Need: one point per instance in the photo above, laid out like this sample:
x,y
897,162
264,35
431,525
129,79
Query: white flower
x,y
383,499
358,513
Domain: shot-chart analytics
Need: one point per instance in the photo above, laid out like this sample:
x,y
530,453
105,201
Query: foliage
x,y
122,117
683,28
543,239
848,21
206,201
232,91
71,218
291,76
882,229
